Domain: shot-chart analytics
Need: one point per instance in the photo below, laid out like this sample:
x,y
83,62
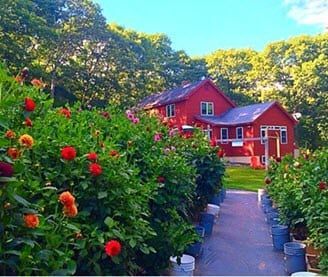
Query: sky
x,y
202,26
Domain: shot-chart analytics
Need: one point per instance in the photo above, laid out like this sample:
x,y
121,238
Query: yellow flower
x,y
26,141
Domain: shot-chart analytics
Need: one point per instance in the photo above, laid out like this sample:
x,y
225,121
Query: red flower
x,y
267,180
323,185
10,134
105,114
68,153
92,156
70,211
114,153
278,159
6,169
66,198
95,169
31,220
220,153
65,112
213,142
13,153
113,248
28,122
161,179
29,104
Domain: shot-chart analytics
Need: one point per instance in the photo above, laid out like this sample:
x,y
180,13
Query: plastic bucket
x,y
207,221
260,192
216,200
186,268
213,209
294,257
195,248
304,273
280,235
270,216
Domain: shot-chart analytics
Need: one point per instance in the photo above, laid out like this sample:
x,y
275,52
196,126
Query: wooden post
x,y
278,146
266,145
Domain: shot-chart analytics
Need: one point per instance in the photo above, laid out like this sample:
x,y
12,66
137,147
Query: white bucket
x,y
186,268
260,192
304,273
213,209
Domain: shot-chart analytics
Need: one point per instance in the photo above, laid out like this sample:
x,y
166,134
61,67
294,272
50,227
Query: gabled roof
x,y
242,115
175,95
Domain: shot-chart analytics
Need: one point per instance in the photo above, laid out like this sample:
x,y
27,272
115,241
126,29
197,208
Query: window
x,y
170,110
239,133
283,135
208,132
263,159
263,134
206,108
224,135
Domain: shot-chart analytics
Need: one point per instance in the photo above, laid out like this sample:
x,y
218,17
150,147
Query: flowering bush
x,y
93,192
299,188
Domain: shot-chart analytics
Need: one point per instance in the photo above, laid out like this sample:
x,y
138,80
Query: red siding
x,y
274,116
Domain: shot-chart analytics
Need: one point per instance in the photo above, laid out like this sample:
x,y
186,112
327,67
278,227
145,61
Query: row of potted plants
x,y
299,193
95,192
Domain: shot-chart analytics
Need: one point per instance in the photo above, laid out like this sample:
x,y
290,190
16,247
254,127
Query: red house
x,y
245,133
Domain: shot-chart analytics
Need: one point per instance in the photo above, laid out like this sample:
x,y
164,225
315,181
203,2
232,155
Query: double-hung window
x,y
224,135
206,108
283,135
170,110
239,133
263,134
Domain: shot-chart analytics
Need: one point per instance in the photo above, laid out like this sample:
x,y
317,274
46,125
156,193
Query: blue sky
x,y
202,26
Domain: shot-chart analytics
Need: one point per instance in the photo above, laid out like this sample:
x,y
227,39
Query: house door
x,y
273,151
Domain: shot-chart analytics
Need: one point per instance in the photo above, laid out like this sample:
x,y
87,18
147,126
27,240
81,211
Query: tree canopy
x,y
71,47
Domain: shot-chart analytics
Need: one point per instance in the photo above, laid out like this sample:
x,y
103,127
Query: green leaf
x,y
102,194
7,179
109,222
21,200
132,243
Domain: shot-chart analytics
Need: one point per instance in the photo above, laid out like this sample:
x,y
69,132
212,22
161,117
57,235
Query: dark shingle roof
x,y
240,115
169,96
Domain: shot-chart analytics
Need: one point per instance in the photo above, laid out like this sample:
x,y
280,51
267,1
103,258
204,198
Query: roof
x,y
240,115
175,95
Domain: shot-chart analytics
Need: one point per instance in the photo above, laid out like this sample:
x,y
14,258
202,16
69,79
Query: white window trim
x,y
242,133
206,103
223,141
208,132
283,129
172,108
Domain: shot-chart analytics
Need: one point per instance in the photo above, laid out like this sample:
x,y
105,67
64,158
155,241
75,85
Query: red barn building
x,y
243,132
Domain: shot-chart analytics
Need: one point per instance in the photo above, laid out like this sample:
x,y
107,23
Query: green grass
x,y
244,178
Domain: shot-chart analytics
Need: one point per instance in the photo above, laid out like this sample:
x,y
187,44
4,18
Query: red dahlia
x,y
92,156
113,248
95,169
68,153
160,179
28,122
65,112
323,185
29,104
6,169
220,153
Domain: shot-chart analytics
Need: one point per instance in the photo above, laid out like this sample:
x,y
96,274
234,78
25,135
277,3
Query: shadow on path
x,y
240,243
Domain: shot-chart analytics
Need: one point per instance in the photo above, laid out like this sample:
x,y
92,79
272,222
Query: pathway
x,y
240,243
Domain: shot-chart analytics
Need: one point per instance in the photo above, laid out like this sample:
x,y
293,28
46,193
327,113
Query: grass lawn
x,y
244,178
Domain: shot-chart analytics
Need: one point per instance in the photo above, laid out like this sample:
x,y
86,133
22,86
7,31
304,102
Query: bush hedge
x,y
95,192
299,189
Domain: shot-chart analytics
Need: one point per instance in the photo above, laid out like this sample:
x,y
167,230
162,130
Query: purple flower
x,y
157,137
135,120
6,169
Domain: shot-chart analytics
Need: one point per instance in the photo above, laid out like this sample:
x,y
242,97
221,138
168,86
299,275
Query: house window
x,y
263,159
206,108
224,135
208,132
170,110
283,135
239,133
263,134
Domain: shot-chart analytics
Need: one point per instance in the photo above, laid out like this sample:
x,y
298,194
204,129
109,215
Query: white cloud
x,y
309,12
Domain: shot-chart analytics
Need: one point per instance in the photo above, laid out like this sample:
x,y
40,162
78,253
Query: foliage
x,y
299,188
142,198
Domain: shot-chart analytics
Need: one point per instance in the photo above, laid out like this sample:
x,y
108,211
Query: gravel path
x,y
240,243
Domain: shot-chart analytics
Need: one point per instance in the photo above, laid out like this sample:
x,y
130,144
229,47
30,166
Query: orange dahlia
x,y
66,198
31,220
70,211
26,141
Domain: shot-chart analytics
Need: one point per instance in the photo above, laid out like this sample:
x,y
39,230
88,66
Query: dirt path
x,y
240,243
